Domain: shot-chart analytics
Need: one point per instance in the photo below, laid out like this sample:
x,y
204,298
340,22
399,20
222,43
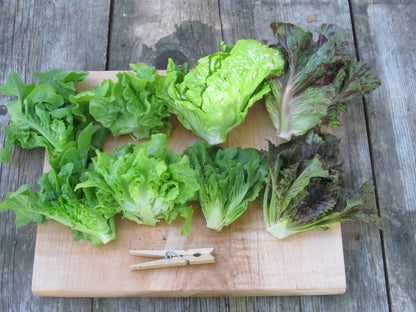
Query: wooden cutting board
x,y
248,260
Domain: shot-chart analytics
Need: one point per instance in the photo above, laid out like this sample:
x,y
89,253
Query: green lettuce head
x,y
215,96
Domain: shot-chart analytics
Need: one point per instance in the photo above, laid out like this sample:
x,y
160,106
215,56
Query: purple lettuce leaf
x,y
319,77
305,187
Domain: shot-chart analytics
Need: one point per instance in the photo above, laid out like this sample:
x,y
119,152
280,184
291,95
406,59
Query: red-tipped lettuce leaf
x,y
318,78
305,188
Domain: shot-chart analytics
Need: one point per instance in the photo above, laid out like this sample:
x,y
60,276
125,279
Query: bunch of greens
x,y
148,181
306,84
305,187
215,96
43,116
229,178
318,79
130,105
58,201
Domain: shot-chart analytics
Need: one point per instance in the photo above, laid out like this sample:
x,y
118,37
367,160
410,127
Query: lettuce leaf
x,y
215,96
305,187
43,116
317,81
58,201
229,178
129,105
148,181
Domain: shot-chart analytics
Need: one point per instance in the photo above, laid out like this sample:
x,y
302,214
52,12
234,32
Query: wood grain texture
x,y
38,36
153,31
245,253
386,38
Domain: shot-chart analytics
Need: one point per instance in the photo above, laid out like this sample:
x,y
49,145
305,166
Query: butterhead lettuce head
x,y
215,96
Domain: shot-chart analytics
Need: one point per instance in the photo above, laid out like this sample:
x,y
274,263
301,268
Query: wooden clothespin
x,y
172,258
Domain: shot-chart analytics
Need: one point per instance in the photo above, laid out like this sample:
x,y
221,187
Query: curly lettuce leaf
x,y
215,96
58,201
305,188
229,179
317,81
148,181
129,105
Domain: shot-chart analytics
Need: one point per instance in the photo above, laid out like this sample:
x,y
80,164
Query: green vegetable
x,y
129,106
229,178
148,181
305,188
317,81
215,96
58,201
43,116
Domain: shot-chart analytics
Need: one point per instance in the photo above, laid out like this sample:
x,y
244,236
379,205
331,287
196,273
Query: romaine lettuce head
x,y
215,96
229,178
148,181
317,81
305,187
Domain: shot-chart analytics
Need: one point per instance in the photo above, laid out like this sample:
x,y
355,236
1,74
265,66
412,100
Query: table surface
x,y
379,145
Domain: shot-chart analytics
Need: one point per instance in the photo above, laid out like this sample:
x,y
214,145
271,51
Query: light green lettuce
x,y
215,96
148,181
128,105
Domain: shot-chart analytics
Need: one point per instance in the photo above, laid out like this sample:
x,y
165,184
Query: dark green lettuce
x,y
215,96
229,178
43,116
319,77
305,187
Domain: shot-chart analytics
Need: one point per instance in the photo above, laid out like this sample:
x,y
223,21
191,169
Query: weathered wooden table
x,y
108,35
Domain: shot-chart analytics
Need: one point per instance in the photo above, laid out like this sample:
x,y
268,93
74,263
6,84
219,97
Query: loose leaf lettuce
x,y
129,105
305,188
43,116
215,96
148,181
58,201
317,81
229,178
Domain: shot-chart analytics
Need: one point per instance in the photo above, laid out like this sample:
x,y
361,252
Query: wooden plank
x,y
246,254
386,39
143,32
362,246
179,304
38,36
